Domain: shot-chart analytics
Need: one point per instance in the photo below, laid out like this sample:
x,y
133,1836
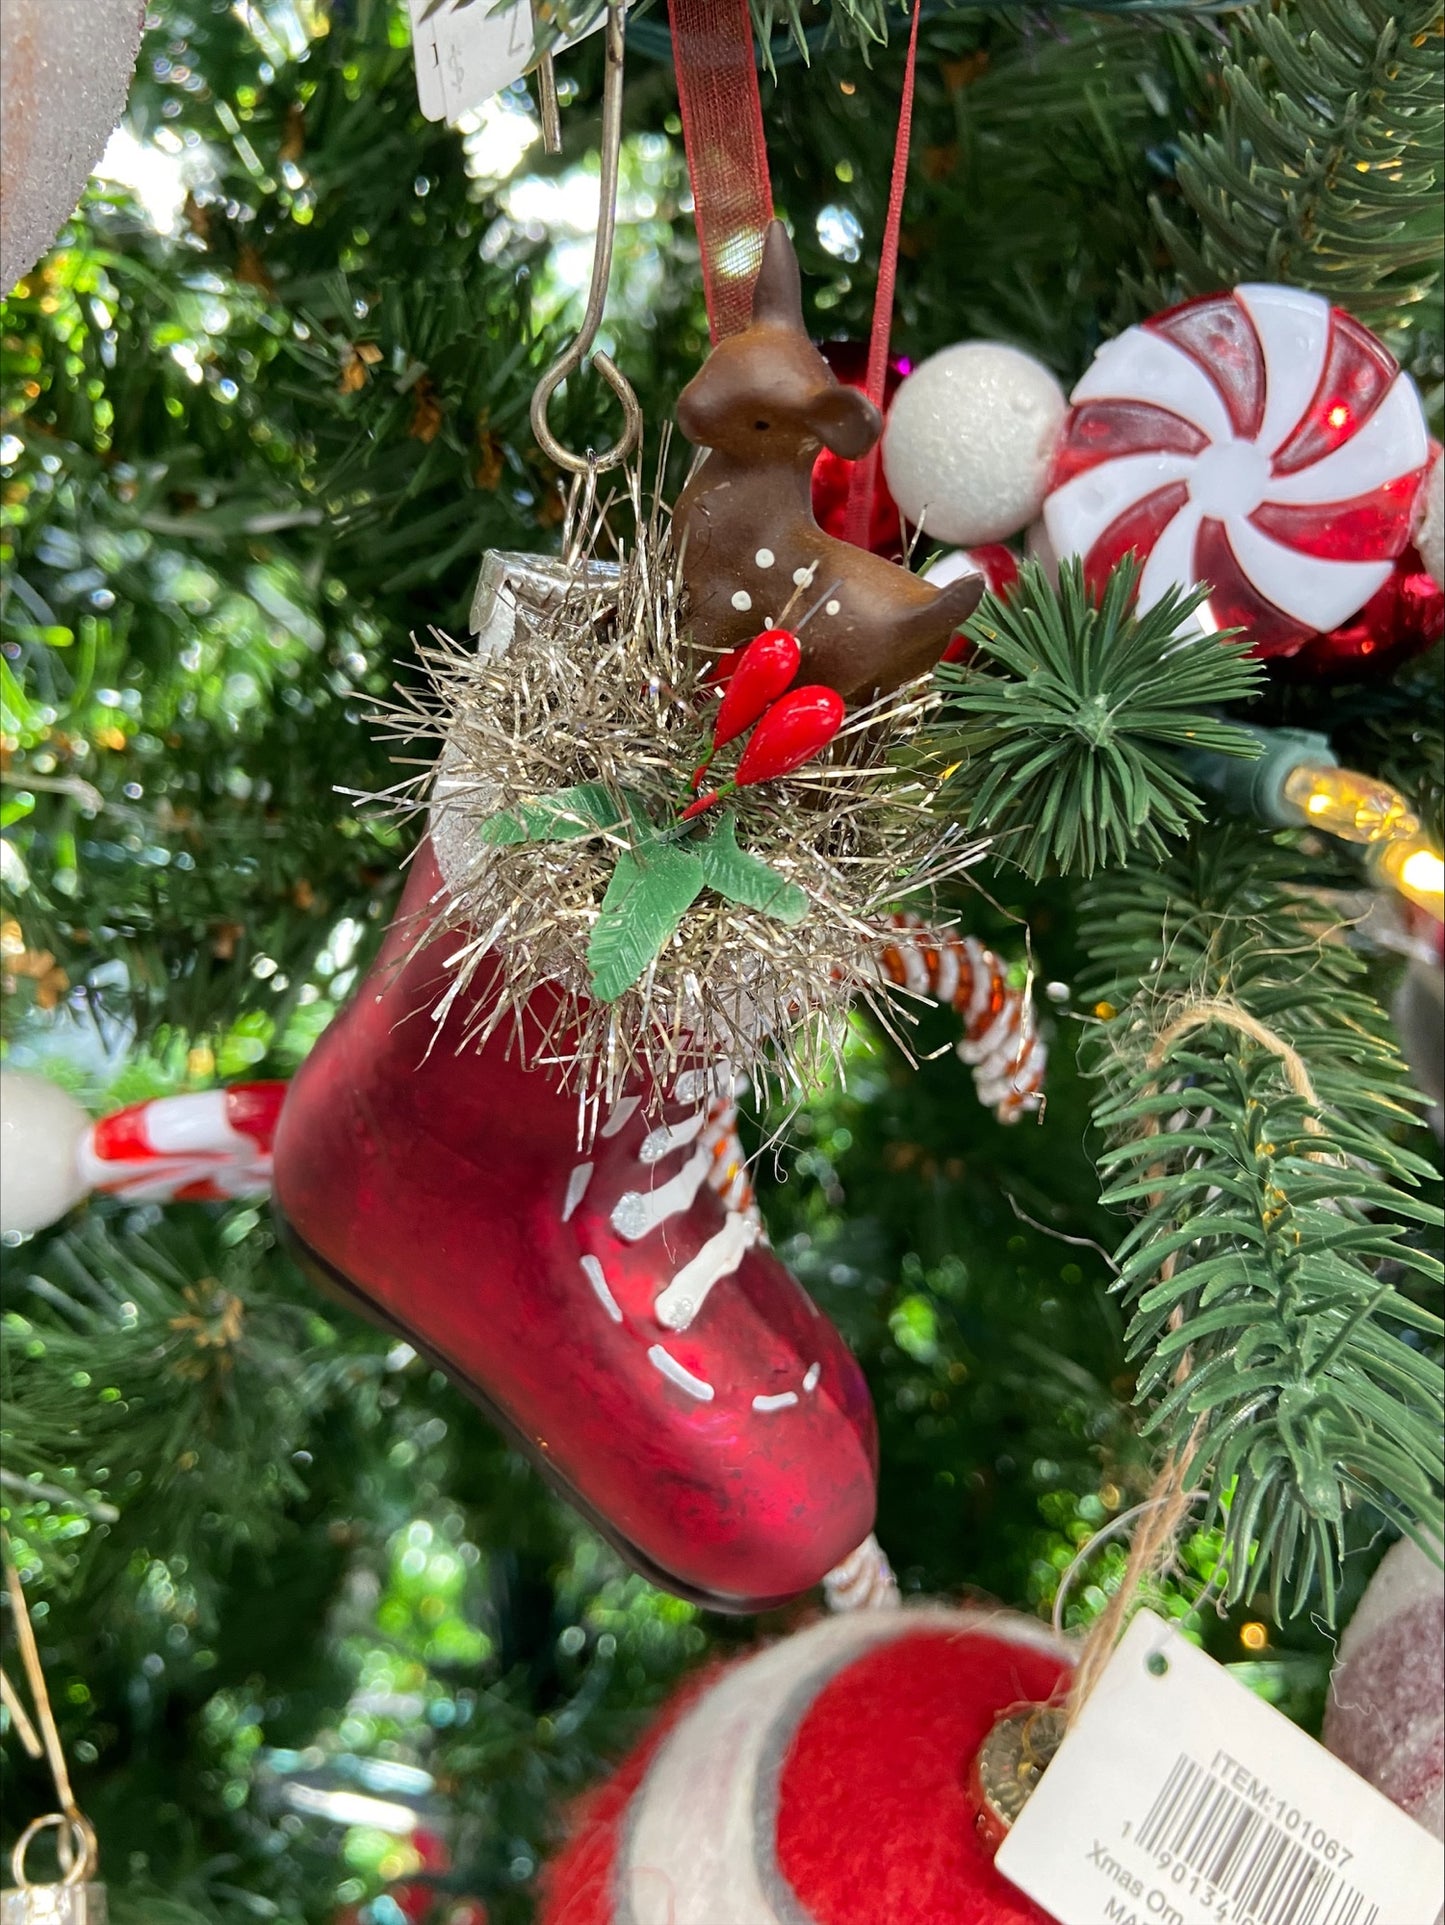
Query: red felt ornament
x,y
1400,621
822,1781
832,475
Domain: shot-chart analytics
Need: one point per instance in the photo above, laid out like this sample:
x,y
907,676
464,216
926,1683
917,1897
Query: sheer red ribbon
x,y
722,130
864,478
727,158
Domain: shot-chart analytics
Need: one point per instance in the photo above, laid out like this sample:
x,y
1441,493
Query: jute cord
x,y
1162,1513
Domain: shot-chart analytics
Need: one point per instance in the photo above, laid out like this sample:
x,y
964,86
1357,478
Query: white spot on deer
x,y
803,577
742,601
831,608
765,558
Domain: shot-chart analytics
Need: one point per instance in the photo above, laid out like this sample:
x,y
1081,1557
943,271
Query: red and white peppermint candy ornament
x,y
1261,441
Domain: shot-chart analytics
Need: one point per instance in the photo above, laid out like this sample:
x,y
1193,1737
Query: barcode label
x,y
1271,1874
1180,1798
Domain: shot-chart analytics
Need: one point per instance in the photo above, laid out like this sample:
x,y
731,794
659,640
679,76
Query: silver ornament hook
x,y
568,362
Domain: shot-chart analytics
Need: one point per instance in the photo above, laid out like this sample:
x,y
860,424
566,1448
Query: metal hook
x,y
571,360
547,108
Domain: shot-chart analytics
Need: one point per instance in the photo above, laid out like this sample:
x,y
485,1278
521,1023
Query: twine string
x,y
1162,1513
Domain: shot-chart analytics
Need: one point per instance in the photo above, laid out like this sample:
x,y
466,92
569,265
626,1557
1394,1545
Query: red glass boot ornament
x,y
623,1322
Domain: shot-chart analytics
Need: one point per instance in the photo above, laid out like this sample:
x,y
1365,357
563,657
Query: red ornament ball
x,y
831,474
1399,621
823,1781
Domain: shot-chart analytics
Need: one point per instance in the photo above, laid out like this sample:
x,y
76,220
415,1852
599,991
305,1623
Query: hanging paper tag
x,y
1180,1798
468,50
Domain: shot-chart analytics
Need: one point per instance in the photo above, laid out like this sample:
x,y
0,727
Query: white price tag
x,y
468,50
1180,1798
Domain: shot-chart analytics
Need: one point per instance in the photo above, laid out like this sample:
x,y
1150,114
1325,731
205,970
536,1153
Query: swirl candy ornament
x,y
1261,441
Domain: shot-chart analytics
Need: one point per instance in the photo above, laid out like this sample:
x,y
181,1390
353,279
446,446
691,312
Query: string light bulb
x,y
1296,782
1358,808
1415,869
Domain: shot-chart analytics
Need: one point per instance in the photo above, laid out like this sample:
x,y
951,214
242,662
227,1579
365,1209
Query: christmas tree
x,y
319,1642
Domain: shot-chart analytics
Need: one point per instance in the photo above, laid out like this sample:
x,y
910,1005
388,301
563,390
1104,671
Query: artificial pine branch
x,y
1061,725
1253,1100
171,1349
1322,167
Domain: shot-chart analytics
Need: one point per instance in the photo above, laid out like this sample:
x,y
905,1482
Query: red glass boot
x,y
620,1321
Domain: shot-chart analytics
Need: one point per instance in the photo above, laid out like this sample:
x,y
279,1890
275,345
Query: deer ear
x,y
845,421
778,290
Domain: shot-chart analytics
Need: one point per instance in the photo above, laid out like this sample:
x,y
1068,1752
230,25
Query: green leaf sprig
x,y
659,874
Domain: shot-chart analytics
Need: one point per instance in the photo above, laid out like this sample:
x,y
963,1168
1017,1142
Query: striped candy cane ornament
x,y
209,1146
1000,1042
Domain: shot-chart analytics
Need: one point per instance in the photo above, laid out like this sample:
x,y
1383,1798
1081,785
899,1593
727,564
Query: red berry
x,y
765,668
791,731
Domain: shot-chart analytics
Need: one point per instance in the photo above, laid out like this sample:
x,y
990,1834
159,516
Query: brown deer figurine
x,y
763,404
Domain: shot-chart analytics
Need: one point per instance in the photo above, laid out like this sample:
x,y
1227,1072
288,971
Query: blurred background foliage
x,y
264,407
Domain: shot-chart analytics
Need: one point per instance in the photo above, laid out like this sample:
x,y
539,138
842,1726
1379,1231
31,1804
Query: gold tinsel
x,y
602,687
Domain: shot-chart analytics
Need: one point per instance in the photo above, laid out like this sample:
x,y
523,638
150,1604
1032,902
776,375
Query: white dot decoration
x,y
742,601
765,558
802,577
832,608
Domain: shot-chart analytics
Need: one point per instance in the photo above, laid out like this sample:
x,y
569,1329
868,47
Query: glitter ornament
x,y
1399,621
832,475
65,68
1430,522
1261,441
1386,1711
968,442
823,1781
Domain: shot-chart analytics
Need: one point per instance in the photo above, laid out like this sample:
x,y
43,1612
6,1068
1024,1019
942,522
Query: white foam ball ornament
x,y
41,1127
65,69
969,439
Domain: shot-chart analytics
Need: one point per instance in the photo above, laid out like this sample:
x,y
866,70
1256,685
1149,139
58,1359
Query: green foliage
x,y
242,462
568,816
652,888
1253,1101
1061,732
1320,161
741,877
